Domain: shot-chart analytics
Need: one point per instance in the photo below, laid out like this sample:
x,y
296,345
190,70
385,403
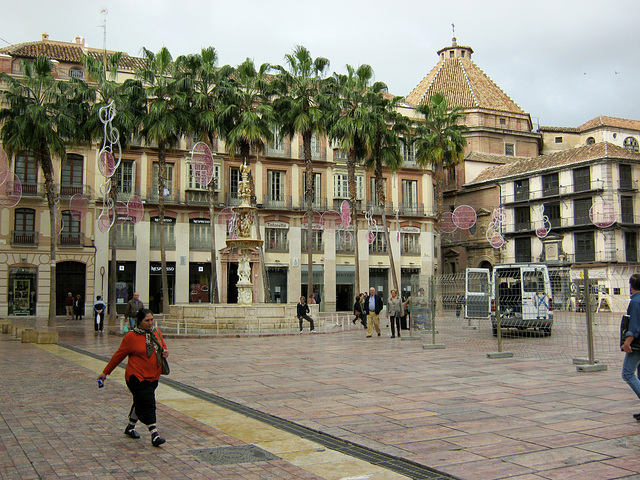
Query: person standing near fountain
x,y
303,313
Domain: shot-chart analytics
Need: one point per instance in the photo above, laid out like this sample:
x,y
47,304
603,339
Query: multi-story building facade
x,y
571,209
499,133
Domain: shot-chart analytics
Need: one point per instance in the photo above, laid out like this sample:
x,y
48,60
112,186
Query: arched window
x,y
591,141
631,143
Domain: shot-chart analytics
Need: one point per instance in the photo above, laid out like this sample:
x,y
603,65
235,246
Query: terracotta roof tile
x,y
614,122
464,85
527,166
489,158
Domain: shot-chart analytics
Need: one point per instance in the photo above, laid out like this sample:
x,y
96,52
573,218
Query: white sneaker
x,y
300,332
313,331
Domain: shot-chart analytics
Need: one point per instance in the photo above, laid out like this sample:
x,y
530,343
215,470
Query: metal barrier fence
x,y
527,310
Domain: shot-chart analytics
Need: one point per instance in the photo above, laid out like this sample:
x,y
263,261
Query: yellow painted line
x,y
303,453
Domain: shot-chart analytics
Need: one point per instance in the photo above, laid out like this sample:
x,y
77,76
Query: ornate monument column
x,y
245,240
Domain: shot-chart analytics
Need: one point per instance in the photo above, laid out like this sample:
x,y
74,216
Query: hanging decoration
x,y
202,164
494,229
108,162
464,217
602,214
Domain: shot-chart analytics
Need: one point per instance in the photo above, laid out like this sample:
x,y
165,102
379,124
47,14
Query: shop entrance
x,y
345,298
155,285
70,277
232,280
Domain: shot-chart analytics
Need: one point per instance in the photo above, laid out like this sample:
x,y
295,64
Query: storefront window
x,y
22,294
199,282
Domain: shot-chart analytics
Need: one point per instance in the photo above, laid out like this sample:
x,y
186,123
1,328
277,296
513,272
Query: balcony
x,y
525,196
124,196
377,209
411,209
318,205
627,184
610,256
411,249
67,239
169,242
231,199
171,196
71,190
282,151
280,202
199,197
337,204
124,242
24,238
33,190
198,243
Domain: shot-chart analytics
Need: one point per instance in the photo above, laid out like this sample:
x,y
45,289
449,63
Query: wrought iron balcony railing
x,y
24,238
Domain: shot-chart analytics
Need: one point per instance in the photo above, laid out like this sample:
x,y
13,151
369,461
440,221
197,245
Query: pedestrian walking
x,y
358,311
68,305
145,348
630,339
459,304
99,308
372,307
395,310
78,307
133,307
303,313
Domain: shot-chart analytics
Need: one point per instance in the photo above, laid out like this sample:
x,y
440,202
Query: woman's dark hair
x,y
634,281
358,298
143,312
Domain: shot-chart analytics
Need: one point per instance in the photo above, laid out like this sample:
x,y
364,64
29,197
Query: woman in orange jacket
x,y
144,347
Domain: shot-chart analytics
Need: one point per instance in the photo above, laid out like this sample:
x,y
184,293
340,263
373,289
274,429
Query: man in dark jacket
x,y
629,334
372,308
303,311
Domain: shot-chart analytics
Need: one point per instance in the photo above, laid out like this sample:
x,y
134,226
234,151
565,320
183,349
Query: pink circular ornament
x,y
446,223
497,241
371,236
78,207
106,163
10,190
136,209
602,214
331,221
464,217
4,166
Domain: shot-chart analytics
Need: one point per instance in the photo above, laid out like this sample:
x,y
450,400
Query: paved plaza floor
x,y
323,406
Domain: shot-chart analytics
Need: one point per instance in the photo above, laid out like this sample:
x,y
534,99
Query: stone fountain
x,y
245,240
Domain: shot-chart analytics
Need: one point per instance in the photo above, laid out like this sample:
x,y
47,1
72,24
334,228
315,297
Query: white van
x,y
521,292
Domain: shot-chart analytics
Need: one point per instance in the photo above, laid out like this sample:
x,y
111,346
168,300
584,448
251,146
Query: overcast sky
x,y
564,61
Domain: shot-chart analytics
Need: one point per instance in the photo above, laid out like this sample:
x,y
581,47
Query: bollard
x,y
593,365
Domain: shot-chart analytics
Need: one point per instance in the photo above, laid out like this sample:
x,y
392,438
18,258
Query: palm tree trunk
x,y
162,175
439,192
47,169
351,177
308,195
214,250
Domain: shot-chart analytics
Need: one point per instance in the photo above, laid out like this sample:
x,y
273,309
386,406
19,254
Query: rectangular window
x,y
503,121
373,195
276,240
521,189
558,139
522,248
626,177
199,236
631,246
26,170
581,209
552,210
584,247
71,175
25,227
168,184
234,181
522,216
125,235
275,185
169,233
317,191
341,186
379,244
581,179
70,234
626,209
408,151
409,196
316,237
344,241
124,177
550,185
410,243
509,149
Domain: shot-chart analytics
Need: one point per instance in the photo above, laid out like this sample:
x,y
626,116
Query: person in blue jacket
x,y
630,339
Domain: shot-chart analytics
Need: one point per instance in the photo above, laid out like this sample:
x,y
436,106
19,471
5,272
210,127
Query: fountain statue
x,y
245,241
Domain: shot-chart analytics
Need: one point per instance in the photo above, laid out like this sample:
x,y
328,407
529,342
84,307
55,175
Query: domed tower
x,y
497,125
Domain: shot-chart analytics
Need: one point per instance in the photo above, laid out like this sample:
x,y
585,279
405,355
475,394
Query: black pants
x,y
395,323
98,321
309,319
144,400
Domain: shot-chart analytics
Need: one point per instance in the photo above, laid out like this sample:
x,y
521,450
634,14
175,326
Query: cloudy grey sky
x,y
562,61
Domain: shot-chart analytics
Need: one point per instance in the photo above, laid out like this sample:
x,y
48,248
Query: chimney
x,y
79,40
45,36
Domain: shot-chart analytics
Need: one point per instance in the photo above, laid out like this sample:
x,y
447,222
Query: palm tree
x,y
245,116
164,122
129,101
386,127
350,127
38,117
302,107
440,144
199,77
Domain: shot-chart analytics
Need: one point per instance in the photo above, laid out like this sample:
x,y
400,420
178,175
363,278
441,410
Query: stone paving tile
x,y
396,396
600,471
